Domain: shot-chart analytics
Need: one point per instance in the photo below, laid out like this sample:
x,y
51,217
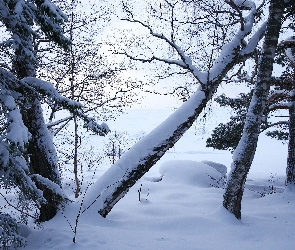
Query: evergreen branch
x,y
16,208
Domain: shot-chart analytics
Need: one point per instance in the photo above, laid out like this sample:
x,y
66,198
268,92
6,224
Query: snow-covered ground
x,y
180,203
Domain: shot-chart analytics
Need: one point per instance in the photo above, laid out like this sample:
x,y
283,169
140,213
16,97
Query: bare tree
x,y
28,158
226,53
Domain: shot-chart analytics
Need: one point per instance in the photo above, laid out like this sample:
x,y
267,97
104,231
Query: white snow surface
x,y
180,206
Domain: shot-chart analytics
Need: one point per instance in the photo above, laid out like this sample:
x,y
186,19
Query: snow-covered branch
x,y
232,52
49,184
55,123
46,88
91,124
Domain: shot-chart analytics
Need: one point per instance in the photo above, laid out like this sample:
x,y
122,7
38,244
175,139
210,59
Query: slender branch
x,y
232,4
185,61
279,106
52,124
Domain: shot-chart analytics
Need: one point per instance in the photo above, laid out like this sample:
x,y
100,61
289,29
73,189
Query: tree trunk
x,y
290,171
72,79
42,156
244,153
40,151
75,160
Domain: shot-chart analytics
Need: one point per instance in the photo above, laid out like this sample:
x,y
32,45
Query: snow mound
x,y
191,173
222,169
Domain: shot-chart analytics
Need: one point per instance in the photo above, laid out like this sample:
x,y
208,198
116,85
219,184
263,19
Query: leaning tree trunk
x,y
244,153
142,156
40,150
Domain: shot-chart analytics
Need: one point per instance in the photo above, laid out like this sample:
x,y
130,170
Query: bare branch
x,y
232,4
185,61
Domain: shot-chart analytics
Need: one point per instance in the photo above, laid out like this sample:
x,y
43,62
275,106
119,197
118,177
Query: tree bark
x,y
290,171
41,153
42,156
244,153
118,179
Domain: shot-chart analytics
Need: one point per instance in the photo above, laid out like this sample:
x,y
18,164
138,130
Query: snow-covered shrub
x,y
219,182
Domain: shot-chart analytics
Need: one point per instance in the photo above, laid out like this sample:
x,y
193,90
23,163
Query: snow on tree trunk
x,y
42,156
25,21
290,171
40,150
244,153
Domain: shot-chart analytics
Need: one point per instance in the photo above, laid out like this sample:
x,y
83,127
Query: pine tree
x,y
28,158
281,96
226,136
20,20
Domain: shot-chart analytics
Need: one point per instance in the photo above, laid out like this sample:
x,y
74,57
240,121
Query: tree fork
x,y
118,179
